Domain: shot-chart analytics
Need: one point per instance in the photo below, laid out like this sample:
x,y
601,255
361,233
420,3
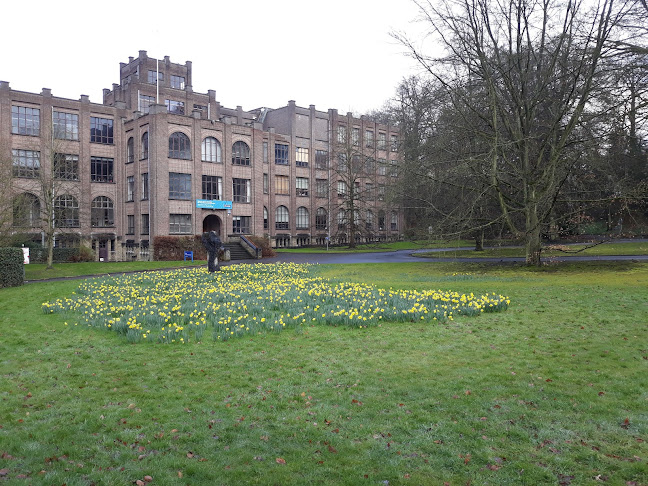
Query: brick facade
x,y
139,110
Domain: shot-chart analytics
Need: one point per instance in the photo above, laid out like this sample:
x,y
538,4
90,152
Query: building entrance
x,y
212,223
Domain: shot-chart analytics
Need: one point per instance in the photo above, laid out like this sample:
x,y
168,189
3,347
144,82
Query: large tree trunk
x,y
532,236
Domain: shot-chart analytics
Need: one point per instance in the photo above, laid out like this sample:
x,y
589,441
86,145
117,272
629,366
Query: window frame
x,y
179,186
102,212
210,150
180,224
25,120
102,170
179,146
240,185
209,182
240,153
282,153
102,130
25,163
70,125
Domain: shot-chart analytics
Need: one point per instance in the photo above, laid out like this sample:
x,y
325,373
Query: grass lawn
x,y
552,391
38,271
632,248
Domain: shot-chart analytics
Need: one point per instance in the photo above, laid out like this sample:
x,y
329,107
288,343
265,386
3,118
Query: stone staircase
x,y
237,252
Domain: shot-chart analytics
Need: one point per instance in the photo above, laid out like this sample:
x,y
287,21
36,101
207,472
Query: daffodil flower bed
x,y
180,306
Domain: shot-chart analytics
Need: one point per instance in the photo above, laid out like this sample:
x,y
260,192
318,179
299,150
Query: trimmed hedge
x,y
12,269
39,255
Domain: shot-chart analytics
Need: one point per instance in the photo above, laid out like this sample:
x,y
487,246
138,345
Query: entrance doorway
x,y
212,223
103,250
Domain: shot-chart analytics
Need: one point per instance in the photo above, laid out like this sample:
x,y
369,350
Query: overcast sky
x,y
329,53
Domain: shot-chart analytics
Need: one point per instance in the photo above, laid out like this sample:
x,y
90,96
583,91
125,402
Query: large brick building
x,y
156,158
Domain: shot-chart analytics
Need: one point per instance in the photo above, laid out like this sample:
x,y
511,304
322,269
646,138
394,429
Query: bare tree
x,y
521,75
353,181
46,191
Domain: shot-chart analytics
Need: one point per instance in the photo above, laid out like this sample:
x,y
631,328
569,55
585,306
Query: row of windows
x,y
343,135
27,211
26,163
65,126
177,82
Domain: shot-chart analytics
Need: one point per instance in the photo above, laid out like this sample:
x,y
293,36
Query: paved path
x,y
400,256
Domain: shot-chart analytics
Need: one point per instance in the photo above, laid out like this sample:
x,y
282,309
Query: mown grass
x,y
552,391
39,271
609,249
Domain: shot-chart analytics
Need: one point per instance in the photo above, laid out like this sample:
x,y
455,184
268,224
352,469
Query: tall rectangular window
x,y
341,133
145,224
382,167
176,107
179,186
369,138
153,76
393,143
26,163
382,141
355,136
101,169
281,154
266,184
177,82
212,187
381,192
130,188
265,152
241,190
145,102
321,159
241,224
25,120
130,224
342,188
301,157
101,130
302,186
180,224
321,187
66,167
281,185
66,125
145,186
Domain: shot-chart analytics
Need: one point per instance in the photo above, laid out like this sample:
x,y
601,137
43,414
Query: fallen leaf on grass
x,y
332,449
280,460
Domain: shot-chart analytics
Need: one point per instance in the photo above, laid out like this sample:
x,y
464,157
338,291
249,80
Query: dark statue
x,y
213,245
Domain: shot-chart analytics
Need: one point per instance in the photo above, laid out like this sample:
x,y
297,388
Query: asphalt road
x,y
409,256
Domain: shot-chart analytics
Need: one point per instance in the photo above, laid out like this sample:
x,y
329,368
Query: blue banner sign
x,y
213,204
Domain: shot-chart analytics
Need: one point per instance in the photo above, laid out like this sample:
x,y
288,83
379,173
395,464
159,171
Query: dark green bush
x,y
12,269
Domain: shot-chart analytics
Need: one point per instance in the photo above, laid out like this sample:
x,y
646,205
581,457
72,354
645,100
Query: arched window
x,y
320,219
211,150
381,220
144,146
66,212
102,213
26,210
130,151
282,218
179,146
302,218
394,221
265,217
240,153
